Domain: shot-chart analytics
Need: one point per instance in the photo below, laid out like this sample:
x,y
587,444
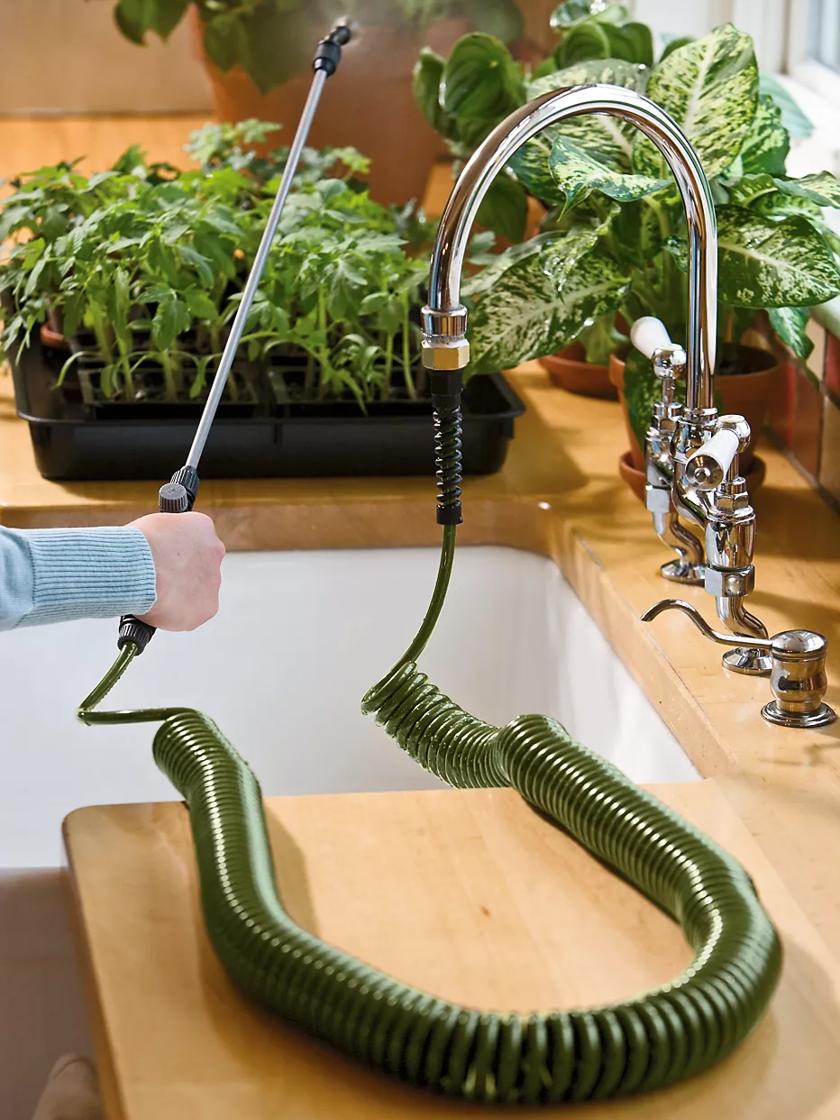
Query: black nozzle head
x,y
345,30
328,51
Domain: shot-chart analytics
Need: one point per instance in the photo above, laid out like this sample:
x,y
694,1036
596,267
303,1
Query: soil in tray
x,y
314,439
150,399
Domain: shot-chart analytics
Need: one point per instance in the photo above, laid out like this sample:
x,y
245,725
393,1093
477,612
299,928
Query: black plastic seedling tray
x,y
298,439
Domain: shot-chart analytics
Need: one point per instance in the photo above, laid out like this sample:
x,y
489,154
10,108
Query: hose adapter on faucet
x,y
445,353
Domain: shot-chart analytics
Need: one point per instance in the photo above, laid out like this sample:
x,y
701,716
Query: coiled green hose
x,y
492,1057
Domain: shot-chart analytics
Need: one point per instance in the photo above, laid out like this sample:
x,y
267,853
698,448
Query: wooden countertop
x,y
559,494
468,894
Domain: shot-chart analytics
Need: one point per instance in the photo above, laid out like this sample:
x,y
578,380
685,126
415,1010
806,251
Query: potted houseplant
x,y
613,239
449,95
139,270
257,55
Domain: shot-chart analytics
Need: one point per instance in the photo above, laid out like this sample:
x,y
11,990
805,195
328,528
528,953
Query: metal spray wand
x,y
179,494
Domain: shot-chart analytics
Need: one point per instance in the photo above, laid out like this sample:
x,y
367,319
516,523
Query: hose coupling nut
x,y
445,345
445,354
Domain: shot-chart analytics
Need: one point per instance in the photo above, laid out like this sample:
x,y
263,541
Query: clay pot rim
x,y
562,356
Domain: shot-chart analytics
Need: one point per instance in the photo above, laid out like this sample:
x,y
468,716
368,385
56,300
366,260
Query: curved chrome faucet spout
x,y
445,319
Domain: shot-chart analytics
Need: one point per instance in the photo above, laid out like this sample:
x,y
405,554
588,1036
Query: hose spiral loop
x,y
663,1035
676,1030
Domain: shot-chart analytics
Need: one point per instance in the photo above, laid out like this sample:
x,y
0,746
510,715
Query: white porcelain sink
x,y
299,638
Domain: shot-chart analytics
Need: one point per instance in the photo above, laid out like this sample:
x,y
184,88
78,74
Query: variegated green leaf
x,y
573,12
612,70
773,264
789,323
778,204
674,44
766,145
577,172
822,188
639,228
601,339
543,301
792,117
710,87
607,139
481,282
532,167
743,192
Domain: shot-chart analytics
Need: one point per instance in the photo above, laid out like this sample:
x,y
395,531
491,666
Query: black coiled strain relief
x,y
448,420
672,1032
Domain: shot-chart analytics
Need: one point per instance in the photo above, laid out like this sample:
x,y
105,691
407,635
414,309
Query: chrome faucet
x,y
692,453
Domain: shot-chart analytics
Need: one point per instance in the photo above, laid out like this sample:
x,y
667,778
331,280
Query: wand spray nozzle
x,y
328,52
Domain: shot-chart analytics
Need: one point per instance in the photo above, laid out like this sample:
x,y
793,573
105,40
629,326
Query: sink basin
x,y
299,638
282,669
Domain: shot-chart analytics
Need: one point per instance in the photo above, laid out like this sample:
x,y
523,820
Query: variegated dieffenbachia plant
x,y
614,236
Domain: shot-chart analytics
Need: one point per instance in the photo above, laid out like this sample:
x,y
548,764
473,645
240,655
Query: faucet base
x,y
681,571
822,716
748,660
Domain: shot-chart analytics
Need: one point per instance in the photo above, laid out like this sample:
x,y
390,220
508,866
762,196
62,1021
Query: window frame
x,y
809,72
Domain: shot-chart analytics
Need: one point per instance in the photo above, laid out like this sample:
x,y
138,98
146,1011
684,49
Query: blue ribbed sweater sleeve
x,y
55,575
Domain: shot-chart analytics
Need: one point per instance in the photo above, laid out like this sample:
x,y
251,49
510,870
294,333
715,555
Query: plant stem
x,y
389,366
323,351
170,386
406,350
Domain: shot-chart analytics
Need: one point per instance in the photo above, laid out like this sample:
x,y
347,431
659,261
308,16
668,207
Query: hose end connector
x,y
133,631
444,346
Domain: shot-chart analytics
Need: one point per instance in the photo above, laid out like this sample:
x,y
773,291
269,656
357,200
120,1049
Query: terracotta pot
x,y
635,478
52,337
746,392
369,105
569,370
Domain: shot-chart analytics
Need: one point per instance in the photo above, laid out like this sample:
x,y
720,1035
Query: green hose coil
x,y
495,1058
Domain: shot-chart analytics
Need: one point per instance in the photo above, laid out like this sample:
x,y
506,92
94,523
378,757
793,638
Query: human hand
x,y
187,556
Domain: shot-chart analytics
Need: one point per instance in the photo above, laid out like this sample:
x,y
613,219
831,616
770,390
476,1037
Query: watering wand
x,y
179,494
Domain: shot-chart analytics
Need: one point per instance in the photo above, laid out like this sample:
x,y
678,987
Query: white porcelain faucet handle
x,y
648,335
